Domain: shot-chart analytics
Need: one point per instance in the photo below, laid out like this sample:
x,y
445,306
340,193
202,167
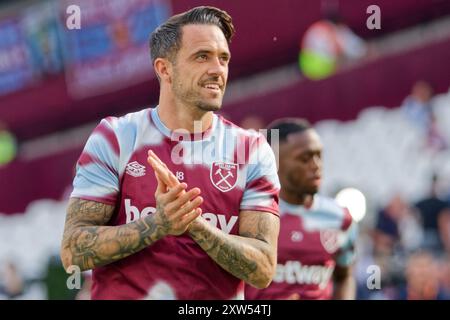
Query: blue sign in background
x,y
15,66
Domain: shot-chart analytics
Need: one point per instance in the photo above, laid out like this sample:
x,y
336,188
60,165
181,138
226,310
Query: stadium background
x,y
56,84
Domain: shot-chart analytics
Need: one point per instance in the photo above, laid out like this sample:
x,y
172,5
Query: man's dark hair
x,y
286,126
165,41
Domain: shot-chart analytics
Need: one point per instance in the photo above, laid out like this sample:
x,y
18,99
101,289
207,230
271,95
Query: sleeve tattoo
x,y
88,243
251,256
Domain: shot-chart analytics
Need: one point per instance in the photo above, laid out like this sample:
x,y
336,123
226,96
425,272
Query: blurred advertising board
x,y
40,26
110,50
29,46
16,70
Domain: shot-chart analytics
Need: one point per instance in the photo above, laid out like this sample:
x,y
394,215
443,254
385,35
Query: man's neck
x,y
296,199
176,116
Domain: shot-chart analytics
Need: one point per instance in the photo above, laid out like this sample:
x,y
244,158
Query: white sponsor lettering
x,y
294,272
217,220
133,212
222,219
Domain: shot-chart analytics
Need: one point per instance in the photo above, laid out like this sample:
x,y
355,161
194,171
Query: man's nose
x,y
316,162
216,67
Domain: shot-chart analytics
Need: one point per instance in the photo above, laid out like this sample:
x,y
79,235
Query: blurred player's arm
x,y
444,228
344,283
252,255
88,243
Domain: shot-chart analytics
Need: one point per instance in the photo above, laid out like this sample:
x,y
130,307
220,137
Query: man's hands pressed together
x,y
176,209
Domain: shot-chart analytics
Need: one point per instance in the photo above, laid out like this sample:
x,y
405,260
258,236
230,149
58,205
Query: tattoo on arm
x,y
88,243
262,230
250,256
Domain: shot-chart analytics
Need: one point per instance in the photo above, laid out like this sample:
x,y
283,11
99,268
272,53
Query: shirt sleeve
x,y
97,176
262,186
346,255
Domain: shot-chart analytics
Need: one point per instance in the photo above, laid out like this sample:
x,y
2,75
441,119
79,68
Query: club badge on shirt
x,y
224,175
330,240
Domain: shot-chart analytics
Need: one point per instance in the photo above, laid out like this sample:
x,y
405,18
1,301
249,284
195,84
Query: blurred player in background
x,y
316,242
145,238
328,45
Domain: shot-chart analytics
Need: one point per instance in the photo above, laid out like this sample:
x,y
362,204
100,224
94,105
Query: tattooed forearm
x,y
88,244
251,256
229,254
261,231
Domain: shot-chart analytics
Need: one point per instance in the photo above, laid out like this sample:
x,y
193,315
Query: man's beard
x,y
207,106
194,99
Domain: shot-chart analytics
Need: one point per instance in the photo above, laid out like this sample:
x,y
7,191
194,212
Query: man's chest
x,y
222,185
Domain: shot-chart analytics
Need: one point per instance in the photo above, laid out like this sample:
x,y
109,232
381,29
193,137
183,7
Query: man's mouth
x,y
316,179
212,86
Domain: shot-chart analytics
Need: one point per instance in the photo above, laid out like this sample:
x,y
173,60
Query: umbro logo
x,y
135,169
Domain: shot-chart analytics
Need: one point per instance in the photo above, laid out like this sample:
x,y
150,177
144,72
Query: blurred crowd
x,y
410,243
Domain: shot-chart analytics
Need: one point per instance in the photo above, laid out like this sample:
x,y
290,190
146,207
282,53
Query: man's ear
x,y
163,69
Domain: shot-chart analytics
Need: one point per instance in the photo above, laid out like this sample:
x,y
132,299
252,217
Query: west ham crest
x,y
224,175
330,240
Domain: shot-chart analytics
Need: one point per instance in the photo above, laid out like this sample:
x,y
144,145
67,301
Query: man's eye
x,y
304,159
202,57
